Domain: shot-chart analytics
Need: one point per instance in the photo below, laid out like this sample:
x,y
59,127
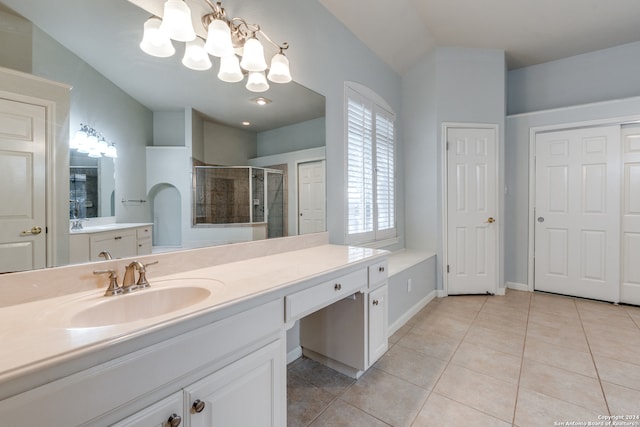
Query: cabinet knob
x,y
376,302
117,238
381,269
337,287
174,420
198,405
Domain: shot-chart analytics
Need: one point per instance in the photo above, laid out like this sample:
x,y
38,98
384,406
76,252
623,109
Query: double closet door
x,y
587,213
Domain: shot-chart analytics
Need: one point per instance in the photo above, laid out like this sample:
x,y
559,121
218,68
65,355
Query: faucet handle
x,y
142,275
113,288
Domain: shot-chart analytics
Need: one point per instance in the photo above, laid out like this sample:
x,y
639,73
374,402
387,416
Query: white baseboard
x,y
410,313
518,286
440,293
501,291
294,354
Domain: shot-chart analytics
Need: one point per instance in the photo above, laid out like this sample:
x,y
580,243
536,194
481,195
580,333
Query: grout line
x,y
586,337
524,345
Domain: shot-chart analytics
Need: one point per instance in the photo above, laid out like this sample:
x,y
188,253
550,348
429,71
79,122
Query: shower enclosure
x,y
239,195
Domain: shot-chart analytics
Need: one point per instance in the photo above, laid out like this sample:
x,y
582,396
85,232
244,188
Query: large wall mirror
x,y
164,118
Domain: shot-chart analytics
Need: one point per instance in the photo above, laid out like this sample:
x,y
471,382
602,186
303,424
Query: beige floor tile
x,y
535,409
517,306
412,366
395,337
615,348
618,372
561,334
304,401
341,414
554,304
484,360
327,379
430,343
506,342
440,411
634,313
479,391
386,397
624,331
546,318
501,322
622,400
562,357
564,385
445,324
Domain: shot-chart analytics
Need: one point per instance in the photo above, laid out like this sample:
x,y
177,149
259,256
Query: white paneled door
x,y
311,197
472,207
630,288
577,212
22,195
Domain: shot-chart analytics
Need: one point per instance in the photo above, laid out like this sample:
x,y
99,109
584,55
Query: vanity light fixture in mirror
x,y
89,141
227,39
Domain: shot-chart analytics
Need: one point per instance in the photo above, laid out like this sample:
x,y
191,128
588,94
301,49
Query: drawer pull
x,y
198,405
118,237
381,269
376,302
174,420
337,287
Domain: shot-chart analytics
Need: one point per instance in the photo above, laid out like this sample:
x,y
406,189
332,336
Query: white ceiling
x,y
529,31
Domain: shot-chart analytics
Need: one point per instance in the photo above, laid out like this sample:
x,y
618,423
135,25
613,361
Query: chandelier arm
x,y
283,46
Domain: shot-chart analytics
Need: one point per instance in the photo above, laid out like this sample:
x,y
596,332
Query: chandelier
x,y
233,40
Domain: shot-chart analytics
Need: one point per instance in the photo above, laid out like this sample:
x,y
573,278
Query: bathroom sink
x,y
143,304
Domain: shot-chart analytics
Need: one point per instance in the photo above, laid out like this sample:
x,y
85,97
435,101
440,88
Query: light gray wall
x,y
169,128
423,282
224,145
97,102
448,85
596,76
300,136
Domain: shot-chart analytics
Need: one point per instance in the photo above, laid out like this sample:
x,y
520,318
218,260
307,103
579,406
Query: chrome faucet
x,y
129,280
129,283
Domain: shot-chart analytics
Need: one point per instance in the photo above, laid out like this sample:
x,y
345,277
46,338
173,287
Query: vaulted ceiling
x,y
401,32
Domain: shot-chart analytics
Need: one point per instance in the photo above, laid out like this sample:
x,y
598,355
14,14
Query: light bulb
x,y
257,82
230,71
219,42
176,21
155,42
253,56
195,57
279,70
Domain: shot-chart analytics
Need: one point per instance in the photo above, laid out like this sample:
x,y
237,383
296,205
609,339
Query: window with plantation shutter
x,y
370,158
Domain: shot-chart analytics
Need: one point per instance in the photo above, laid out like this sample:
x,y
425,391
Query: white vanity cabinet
x,y
121,242
350,334
166,413
238,361
378,320
246,393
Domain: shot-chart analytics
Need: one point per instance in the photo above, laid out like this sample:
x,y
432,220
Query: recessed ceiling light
x,y
261,100
246,123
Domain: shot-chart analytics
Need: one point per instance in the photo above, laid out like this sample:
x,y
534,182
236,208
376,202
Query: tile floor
x,y
524,359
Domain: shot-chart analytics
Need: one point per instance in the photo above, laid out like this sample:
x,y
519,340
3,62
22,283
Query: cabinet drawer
x,y
304,302
378,273
144,232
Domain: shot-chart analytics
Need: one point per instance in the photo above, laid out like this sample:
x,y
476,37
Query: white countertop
x,y
37,336
109,227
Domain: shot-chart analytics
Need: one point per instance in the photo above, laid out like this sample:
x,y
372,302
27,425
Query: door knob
x,y
490,220
540,219
34,231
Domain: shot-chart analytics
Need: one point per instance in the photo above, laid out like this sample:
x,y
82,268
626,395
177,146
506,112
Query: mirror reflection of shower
x,y
240,195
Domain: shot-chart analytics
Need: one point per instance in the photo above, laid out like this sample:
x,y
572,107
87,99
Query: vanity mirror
x,y
154,108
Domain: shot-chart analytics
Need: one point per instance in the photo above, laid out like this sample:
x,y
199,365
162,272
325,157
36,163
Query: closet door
x,y
630,288
577,228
